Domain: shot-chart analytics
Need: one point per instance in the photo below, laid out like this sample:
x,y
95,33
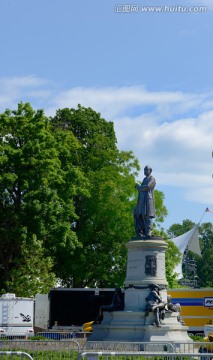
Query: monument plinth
x,y
145,268
146,262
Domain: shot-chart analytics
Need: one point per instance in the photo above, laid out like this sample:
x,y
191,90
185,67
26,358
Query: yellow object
x,y
87,326
196,306
209,346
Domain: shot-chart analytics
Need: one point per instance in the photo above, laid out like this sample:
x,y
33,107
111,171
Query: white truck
x,y
16,316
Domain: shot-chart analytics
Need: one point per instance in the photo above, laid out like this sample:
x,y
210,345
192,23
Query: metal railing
x,y
141,355
158,346
22,354
128,346
72,349
43,349
63,335
16,335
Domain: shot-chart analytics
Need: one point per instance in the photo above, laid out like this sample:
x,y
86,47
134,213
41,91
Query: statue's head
x,y
147,170
155,287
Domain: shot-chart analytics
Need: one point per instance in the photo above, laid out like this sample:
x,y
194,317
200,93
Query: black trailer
x,y
76,306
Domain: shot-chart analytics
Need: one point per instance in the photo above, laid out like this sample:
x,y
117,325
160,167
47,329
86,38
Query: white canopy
x,y
191,240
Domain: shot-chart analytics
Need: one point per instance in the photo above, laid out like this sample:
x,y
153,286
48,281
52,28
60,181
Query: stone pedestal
x,y
146,262
145,267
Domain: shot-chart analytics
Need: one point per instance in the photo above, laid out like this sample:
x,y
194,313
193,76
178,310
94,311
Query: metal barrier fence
x,y
10,336
5,354
71,349
128,346
141,355
185,347
44,349
63,335
51,335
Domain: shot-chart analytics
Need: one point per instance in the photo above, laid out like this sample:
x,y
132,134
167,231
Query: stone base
x,y
125,326
145,262
145,267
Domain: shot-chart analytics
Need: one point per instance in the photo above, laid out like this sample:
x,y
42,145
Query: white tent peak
x,y
188,241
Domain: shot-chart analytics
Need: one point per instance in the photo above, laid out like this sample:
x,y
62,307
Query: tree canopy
x,y
204,263
67,197
38,180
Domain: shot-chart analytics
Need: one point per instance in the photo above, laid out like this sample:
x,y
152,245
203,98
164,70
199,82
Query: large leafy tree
x,y
39,178
33,272
67,197
105,219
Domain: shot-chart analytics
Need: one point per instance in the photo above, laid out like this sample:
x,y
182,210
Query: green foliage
x,y
204,263
179,229
174,231
42,354
37,337
196,337
161,210
32,272
66,200
173,257
38,182
105,221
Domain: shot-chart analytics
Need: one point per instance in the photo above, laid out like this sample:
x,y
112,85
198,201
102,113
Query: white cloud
x,y
112,101
181,147
16,89
21,82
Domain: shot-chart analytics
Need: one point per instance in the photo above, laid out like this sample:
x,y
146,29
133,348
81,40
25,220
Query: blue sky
x,y
145,65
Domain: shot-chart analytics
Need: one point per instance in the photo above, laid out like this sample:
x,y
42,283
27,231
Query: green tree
x,y
173,257
179,229
33,273
39,179
204,263
105,219
161,210
67,196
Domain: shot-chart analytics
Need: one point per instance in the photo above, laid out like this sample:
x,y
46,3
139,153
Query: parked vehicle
x,y
16,316
69,308
196,307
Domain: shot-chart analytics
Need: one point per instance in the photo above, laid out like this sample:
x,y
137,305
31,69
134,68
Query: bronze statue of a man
x,y
155,304
144,211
